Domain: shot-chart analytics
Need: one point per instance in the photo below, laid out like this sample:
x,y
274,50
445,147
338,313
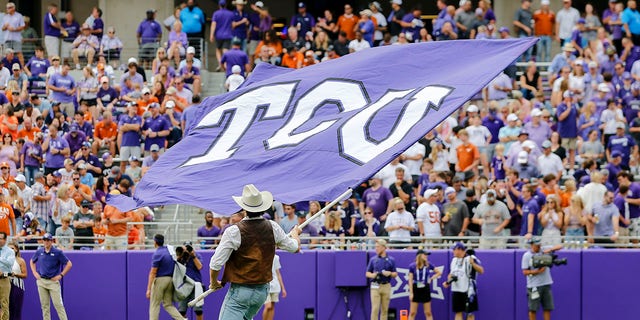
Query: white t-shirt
x,y
478,135
388,174
610,119
356,45
567,20
414,165
234,81
274,285
400,219
382,22
429,215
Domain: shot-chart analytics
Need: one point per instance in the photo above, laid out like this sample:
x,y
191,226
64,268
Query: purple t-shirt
x,y
634,193
623,144
28,150
223,19
73,29
179,37
156,124
240,31
75,143
498,168
130,138
60,81
98,24
48,29
194,70
568,128
107,95
233,57
37,66
530,207
494,127
378,200
205,233
56,160
421,275
149,31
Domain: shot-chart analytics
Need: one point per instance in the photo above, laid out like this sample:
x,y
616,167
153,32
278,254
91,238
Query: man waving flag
x,y
312,133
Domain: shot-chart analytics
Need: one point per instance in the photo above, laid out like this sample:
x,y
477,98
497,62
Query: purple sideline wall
x,y
595,285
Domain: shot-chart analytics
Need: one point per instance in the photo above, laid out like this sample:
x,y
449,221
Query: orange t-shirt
x,y
99,233
142,105
347,24
6,214
78,197
116,229
292,62
5,128
565,198
103,130
28,134
277,47
544,23
8,179
466,155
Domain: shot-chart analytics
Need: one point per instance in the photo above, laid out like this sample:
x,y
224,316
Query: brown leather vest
x,y
251,263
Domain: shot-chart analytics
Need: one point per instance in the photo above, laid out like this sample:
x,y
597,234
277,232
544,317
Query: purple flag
x,y
312,133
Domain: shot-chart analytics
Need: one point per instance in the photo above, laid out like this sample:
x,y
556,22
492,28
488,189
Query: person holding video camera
x,y
535,267
462,279
192,260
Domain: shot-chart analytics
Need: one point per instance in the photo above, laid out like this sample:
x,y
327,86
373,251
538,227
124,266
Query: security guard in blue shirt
x,y
380,270
46,265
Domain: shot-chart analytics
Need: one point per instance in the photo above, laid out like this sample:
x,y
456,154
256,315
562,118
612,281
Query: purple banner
x,y
313,133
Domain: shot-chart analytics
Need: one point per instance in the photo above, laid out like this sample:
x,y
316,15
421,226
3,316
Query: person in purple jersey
x,y
75,138
208,230
221,30
235,56
240,23
52,31
36,67
530,208
493,123
632,198
63,87
148,34
56,148
378,198
129,131
623,143
567,115
155,129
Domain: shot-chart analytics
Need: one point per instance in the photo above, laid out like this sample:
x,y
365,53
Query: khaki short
x,y
273,297
569,143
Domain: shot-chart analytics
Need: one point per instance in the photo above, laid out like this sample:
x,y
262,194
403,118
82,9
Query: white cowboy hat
x,y
254,200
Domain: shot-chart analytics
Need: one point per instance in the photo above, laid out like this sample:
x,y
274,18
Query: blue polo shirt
x,y
192,20
163,261
49,264
130,138
240,31
378,264
50,19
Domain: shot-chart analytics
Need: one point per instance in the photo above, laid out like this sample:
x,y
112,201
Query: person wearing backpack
x,y
160,286
192,260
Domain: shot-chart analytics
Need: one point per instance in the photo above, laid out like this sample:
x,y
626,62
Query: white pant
x,y
52,45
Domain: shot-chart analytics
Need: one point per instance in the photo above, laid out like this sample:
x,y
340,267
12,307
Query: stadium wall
x,y
596,284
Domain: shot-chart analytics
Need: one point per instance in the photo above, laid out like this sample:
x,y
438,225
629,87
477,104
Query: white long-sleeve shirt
x,y
231,241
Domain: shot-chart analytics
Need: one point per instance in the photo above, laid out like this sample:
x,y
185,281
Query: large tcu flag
x,y
312,133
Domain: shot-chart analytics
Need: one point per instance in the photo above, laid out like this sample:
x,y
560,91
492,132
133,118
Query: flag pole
x,y
326,208
304,224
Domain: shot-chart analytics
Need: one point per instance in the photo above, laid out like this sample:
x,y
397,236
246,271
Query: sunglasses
x,y
4,168
179,82
76,179
369,212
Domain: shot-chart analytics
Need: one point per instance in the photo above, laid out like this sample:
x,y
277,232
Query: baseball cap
x,y
171,91
377,5
132,60
490,193
366,12
133,158
85,203
479,12
582,21
259,4
16,66
236,41
85,26
86,144
472,108
568,47
523,157
152,105
170,104
512,117
151,11
57,174
154,148
106,155
421,251
236,69
429,192
20,178
620,125
525,132
191,50
398,2
301,214
529,144
593,64
47,236
74,127
115,170
546,144
145,90
82,166
222,2
534,240
503,29
459,245
536,112
68,161
626,75
449,190
544,2
567,94
301,5
104,79
616,153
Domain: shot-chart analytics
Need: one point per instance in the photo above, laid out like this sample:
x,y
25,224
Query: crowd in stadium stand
x,y
516,160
